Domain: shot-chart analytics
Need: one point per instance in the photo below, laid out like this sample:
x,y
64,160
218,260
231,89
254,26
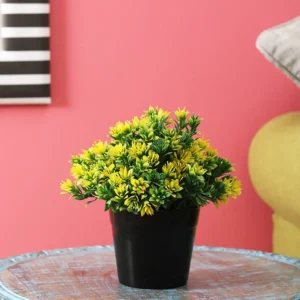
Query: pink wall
x,y
111,60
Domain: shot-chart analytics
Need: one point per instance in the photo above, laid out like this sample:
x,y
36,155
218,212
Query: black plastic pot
x,y
154,252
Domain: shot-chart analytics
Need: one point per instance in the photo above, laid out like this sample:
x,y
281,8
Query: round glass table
x,y
90,273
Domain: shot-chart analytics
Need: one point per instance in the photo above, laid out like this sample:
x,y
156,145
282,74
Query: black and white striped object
x,y
25,53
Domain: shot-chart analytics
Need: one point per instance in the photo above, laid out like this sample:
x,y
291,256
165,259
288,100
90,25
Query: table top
x,y
90,273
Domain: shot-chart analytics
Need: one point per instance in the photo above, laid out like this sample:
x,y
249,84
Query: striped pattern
x,y
25,55
27,8
20,32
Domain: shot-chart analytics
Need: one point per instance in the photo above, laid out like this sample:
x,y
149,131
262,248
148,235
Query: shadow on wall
x,y
60,52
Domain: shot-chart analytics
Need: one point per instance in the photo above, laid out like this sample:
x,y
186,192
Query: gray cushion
x,y
281,46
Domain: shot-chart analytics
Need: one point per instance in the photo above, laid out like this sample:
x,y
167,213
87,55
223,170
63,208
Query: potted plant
x,y
154,175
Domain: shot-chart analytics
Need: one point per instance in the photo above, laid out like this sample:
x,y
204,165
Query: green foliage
x,y
152,163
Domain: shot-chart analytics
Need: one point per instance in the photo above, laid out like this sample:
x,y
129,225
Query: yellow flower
x,y
87,155
86,178
181,114
117,150
169,170
236,187
147,209
145,123
173,187
137,149
139,186
144,162
77,171
173,184
203,144
158,113
99,147
66,186
125,174
163,114
183,156
129,201
197,153
180,166
84,183
120,129
115,179
175,142
233,188
211,152
75,159
195,149
91,174
132,204
135,122
196,170
150,109
121,190
153,158
108,170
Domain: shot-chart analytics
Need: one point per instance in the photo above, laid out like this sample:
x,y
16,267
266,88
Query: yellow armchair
x,y
274,165
274,158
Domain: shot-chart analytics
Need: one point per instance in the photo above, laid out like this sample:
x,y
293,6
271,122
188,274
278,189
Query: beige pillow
x,y
281,46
